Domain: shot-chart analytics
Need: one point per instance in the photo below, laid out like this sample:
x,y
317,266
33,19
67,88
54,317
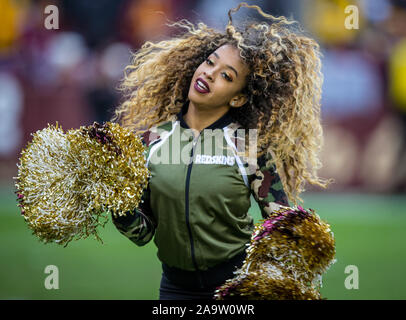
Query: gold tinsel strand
x,y
287,255
67,183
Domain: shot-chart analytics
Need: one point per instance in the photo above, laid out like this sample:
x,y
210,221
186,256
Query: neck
x,y
198,118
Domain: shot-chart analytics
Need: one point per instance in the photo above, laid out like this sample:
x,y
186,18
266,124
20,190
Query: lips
x,y
201,86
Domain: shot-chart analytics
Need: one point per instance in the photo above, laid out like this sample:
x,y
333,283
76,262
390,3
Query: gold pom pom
x,y
68,182
286,258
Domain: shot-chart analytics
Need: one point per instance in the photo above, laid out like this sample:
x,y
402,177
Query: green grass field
x,y
369,232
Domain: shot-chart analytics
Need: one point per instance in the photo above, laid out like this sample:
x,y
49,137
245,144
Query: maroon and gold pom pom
x,y
68,182
286,258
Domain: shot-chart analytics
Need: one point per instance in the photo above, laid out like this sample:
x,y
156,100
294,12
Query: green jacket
x,y
198,194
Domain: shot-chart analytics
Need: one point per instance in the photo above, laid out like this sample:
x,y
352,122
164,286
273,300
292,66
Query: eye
x,y
227,77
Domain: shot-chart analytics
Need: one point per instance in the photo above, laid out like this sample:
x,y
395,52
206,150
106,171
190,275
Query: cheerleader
x,y
223,116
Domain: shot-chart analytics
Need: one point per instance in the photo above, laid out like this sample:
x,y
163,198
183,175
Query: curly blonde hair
x,y
283,89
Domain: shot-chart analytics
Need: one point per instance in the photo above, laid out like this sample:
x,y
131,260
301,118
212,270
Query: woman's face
x,y
217,82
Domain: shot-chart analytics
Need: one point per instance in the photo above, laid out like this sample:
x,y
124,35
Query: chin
x,y
193,97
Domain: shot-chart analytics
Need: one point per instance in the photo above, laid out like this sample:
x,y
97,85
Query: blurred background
x,y
70,75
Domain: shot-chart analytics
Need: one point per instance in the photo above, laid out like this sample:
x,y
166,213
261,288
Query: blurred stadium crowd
x,y
70,75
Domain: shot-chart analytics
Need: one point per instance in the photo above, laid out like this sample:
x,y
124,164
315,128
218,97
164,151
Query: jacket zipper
x,y
189,170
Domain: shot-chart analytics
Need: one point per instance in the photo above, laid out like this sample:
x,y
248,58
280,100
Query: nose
x,y
209,75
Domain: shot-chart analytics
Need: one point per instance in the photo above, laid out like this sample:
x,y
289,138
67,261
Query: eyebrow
x,y
228,66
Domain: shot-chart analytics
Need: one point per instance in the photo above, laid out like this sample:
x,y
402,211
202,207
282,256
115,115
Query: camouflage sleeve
x,y
140,226
266,186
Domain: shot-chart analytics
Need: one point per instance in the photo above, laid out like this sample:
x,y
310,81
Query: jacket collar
x,y
224,121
